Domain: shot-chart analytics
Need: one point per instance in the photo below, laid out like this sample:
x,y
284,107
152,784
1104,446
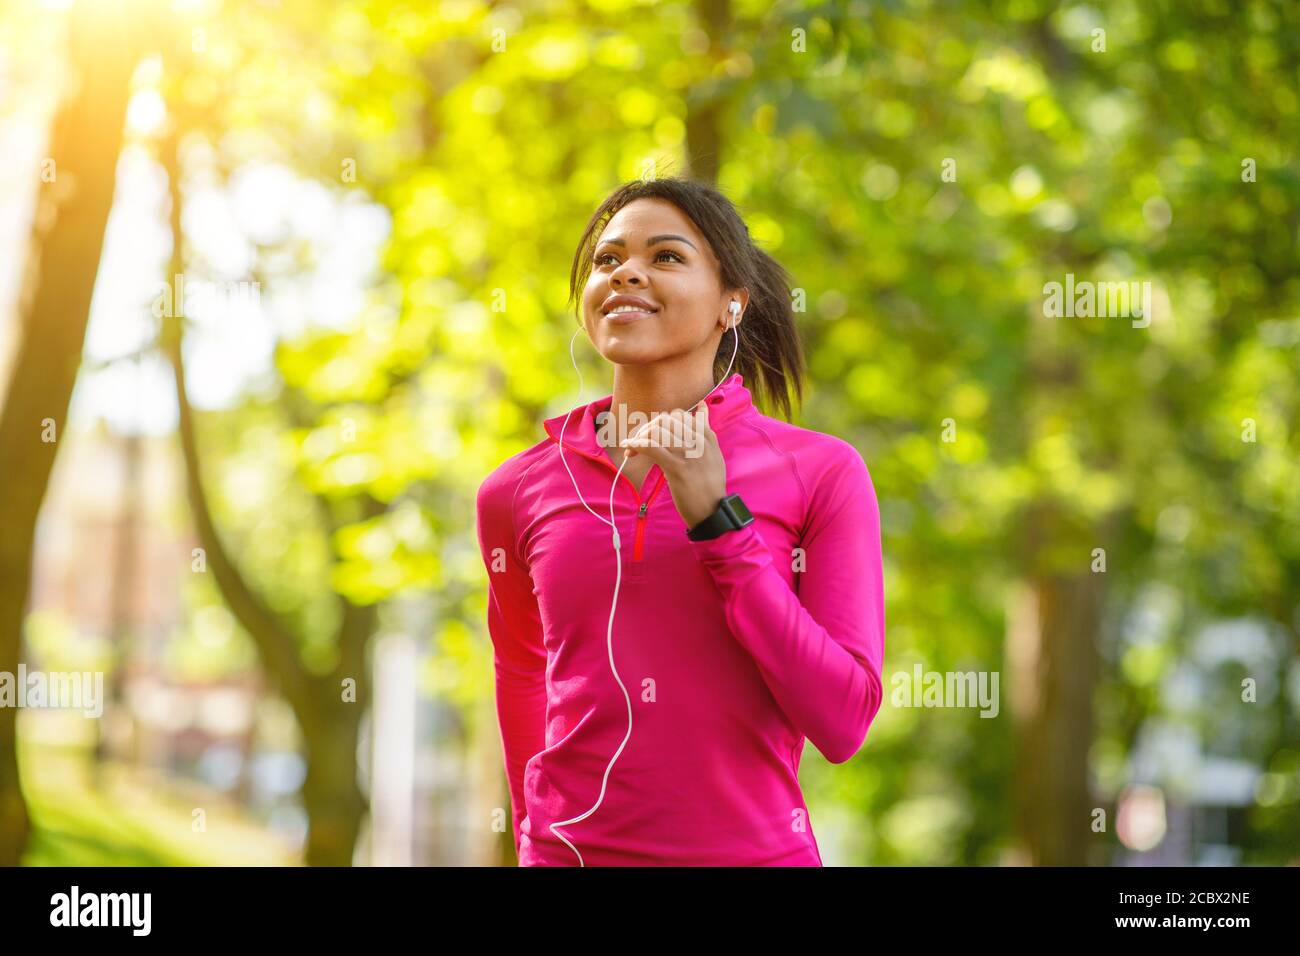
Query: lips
x,y
643,308
623,318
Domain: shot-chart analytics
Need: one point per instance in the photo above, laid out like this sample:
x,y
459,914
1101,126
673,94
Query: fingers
x,y
665,430
678,429
674,428
651,434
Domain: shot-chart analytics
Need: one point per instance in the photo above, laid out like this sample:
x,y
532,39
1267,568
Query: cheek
x,y
592,296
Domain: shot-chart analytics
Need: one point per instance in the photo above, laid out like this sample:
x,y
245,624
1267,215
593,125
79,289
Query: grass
x,y
115,814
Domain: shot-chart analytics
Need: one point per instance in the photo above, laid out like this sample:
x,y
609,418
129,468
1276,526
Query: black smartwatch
x,y
731,515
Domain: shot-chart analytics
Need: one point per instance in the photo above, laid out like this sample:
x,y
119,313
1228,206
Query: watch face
x,y
738,509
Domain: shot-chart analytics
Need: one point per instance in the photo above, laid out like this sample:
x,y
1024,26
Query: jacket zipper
x,y
638,546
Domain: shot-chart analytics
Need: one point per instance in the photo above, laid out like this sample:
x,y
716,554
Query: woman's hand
x,y
686,449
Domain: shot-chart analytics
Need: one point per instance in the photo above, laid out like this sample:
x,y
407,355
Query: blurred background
x,y
281,281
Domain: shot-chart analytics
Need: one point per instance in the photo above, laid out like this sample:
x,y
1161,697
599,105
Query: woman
x,y
654,699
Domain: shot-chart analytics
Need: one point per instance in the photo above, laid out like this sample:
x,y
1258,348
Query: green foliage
x,y
925,302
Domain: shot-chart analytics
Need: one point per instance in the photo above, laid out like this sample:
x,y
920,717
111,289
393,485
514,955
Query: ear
x,y
734,295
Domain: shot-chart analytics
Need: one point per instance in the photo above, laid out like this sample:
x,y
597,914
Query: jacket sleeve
x,y
820,651
514,624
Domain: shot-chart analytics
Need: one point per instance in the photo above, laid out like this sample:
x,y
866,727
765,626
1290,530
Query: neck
x,y
661,387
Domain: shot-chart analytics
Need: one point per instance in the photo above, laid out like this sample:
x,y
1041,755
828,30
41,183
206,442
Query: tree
x,y
71,216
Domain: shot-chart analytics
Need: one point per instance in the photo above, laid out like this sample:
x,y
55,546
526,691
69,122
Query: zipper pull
x,y
640,530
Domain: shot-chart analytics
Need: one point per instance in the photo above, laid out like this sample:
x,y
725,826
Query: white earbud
x,y
735,314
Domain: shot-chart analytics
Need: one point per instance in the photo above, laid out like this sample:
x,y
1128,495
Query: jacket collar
x,y
729,401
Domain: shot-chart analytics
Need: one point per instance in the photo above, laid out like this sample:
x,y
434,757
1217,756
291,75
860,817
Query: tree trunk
x,y
706,107
1052,655
333,800
68,236
330,726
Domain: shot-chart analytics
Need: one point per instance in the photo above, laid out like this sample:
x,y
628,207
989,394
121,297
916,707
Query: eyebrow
x,y
619,241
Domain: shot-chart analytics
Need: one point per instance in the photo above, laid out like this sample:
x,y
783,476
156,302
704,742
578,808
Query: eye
x,y
600,259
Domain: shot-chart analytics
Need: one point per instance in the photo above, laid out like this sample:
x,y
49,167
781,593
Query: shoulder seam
x,y
794,465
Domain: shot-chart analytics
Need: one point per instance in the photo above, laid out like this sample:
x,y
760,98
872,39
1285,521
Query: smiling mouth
x,y
628,315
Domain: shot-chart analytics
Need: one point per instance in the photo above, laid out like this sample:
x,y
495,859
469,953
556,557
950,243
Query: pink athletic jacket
x,y
732,650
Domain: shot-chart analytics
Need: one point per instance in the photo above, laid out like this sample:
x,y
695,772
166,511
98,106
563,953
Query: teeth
x,y
626,308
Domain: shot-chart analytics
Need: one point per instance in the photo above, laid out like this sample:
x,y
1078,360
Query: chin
x,y
626,354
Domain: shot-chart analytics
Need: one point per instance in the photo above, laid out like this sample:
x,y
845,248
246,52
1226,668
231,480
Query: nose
x,y
623,274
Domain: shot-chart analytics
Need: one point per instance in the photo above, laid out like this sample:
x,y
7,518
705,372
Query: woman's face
x,y
652,251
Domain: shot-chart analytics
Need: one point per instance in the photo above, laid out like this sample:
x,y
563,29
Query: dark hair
x,y
771,357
